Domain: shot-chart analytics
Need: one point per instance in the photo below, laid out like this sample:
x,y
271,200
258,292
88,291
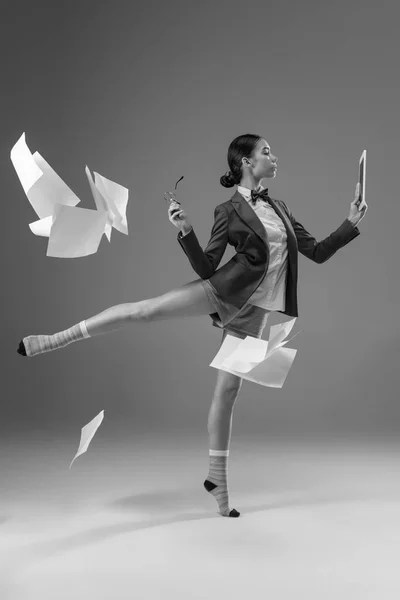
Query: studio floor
x,y
131,519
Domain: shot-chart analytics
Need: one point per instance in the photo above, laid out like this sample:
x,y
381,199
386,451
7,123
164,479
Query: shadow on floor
x,y
172,500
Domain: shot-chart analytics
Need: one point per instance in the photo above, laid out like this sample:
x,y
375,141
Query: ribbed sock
x,y
37,344
217,481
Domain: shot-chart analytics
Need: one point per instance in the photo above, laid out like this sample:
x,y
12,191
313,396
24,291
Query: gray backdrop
x,y
144,93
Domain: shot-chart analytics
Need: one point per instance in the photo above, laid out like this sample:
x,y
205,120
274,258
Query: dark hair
x,y
241,146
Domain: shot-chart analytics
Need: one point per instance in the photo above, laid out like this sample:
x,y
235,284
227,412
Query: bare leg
x,y
220,415
188,300
219,429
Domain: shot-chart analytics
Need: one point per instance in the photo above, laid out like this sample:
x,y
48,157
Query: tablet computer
x,y
361,178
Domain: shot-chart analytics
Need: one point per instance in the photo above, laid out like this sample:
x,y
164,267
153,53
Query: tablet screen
x,y
361,177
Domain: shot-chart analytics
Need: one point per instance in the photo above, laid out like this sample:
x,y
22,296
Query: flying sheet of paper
x,y
111,198
46,191
25,165
87,434
42,227
264,362
116,198
100,202
43,187
75,232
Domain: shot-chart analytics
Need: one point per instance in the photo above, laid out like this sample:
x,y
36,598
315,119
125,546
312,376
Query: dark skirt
x,y
249,320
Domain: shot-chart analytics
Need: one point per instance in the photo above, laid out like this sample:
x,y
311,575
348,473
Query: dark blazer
x,y
236,223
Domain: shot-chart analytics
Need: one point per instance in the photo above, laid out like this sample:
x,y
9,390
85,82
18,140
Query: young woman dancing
x,y
260,278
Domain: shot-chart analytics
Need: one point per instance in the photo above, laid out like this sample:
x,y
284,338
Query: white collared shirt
x,y
271,292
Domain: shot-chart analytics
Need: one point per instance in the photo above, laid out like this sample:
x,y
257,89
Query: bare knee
x,y
138,311
227,389
151,309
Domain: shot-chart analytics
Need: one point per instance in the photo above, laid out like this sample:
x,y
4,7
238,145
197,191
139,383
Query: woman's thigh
x,y
189,300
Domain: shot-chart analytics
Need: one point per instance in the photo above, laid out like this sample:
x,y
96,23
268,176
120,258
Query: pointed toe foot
x,y
21,348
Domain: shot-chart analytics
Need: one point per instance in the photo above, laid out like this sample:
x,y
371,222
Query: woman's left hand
x,y
356,215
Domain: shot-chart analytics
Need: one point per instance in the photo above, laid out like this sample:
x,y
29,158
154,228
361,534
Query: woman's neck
x,y
250,182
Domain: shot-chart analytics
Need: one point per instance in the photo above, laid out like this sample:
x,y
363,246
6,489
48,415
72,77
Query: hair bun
x,y
227,180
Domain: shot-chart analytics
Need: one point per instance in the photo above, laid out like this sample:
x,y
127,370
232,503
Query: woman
x,y
259,278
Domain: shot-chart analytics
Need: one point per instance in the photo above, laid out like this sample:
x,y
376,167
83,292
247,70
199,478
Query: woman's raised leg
x,y
186,301
189,300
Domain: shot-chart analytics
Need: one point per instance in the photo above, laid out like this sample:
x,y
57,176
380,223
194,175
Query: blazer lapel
x,y
286,221
247,214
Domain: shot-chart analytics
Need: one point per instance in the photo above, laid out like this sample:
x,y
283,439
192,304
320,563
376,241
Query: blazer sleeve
x,y
206,262
319,252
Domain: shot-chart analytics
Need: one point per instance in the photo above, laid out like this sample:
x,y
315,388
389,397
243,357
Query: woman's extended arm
x,y
319,252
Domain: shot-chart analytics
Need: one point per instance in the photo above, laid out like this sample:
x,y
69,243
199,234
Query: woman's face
x,y
262,162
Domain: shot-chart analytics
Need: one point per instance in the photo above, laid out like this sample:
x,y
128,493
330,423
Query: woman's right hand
x,y
178,217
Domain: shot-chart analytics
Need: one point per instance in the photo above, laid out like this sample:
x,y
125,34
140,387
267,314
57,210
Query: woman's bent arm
x,y
206,262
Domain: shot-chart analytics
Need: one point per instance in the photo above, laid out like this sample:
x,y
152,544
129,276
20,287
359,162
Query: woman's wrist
x,y
352,221
185,230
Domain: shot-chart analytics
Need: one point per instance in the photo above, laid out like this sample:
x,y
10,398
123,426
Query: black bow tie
x,y
263,195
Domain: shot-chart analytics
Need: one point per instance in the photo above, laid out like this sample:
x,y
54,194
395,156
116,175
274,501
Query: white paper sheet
x,y
100,202
264,362
111,198
76,232
43,187
42,227
27,170
71,234
116,197
87,434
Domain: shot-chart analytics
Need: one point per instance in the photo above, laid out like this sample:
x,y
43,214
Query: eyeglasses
x,y
171,196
